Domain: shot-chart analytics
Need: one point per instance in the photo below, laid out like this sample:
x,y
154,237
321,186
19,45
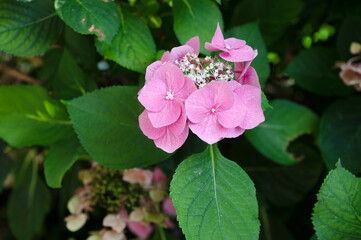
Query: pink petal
x,y
137,175
159,177
188,88
168,207
149,73
209,130
252,98
214,95
178,53
167,116
171,142
240,67
147,127
218,39
234,43
178,126
232,117
223,97
199,104
234,132
171,75
140,230
243,54
165,57
250,78
194,43
212,48
169,223
153,96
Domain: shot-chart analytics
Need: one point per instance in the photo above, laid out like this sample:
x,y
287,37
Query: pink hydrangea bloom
x,y
163,98
251,97
191,46
248,76
168,138
137,175
140,230
214,112
168,207
234,50
159,178
223,110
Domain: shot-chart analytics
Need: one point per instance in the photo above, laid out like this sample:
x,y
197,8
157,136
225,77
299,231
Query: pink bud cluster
x,y
207,95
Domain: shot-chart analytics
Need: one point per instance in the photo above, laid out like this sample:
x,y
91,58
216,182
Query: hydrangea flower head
x,y
214,112
163,99
233,49
215,100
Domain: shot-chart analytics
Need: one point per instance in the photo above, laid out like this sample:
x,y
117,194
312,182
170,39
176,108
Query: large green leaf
x,y
28,29
250,32
337,213
62,155
314,70
340,134
133,47
90,17
106,122
28,204
347,34
274,15
28,116
283,124
62,73
5,165
196,18
214,198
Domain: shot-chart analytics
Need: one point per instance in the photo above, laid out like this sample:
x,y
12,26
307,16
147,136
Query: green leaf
x,y
106,122
62,155
219,2
5,165
265,103
196,18
251,34
337,213
29,202
274,16
340,134
279,185
32,117
214,198
28,29
90,17
284,123
347,34
82,49
133,47
68,80
313,70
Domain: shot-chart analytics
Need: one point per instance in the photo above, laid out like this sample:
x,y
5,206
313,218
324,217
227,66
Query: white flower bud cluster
x,y
204,71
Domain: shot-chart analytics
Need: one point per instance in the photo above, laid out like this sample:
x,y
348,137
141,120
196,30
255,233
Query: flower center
x,y
170,95
228,47
213,110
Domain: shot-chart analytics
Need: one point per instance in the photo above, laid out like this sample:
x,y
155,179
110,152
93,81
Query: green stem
x,y
212,149
162,234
